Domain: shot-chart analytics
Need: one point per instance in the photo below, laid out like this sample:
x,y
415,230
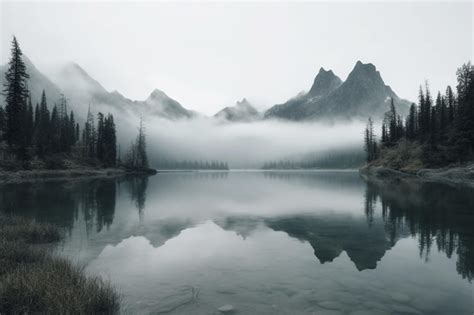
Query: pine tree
x,y
29,123
37,116
54,127
464,120
442,119
100,137
393,124
411,123
110,141
71,130
370,142
16,92
2,123
427,111
77,132
384,134
89,136
42,132
142,157
450,99
433,127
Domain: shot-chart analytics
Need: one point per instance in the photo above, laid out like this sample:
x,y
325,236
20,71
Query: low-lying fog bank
x,y
242,145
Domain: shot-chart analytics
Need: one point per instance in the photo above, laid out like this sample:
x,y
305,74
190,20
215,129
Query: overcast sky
x,y
209,55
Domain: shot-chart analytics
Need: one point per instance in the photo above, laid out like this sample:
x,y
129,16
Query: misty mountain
x,y
36,83
82,88
158,103
363,94
82,91
242,111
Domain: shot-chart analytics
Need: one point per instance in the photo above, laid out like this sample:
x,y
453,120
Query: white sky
x,y
209,55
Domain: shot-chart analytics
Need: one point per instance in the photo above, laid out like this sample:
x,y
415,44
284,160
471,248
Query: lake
x,y
316,242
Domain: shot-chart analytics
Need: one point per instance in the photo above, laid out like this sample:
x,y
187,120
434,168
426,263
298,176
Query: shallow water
x,y
322,242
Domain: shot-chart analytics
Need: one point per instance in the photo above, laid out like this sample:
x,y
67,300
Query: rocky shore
x,y
458,175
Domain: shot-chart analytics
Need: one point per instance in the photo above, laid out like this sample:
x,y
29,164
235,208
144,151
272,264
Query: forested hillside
x,y
47,136
438,131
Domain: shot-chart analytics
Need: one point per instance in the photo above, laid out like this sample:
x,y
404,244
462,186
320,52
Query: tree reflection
x,y
438,215
137,186
92,201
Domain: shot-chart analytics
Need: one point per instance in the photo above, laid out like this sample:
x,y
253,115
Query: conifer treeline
x,y
40,132
329,160
444,127
193,165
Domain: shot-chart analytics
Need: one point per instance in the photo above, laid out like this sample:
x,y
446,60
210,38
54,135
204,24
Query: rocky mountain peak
x,y
157,94
365,72
324,83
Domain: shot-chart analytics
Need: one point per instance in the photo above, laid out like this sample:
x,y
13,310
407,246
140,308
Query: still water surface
x,y
322,242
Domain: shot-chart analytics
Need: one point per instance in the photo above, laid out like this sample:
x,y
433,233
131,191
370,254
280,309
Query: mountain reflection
x,y
437,216
331,235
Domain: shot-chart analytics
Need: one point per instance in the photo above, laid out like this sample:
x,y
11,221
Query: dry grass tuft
x,y
33,280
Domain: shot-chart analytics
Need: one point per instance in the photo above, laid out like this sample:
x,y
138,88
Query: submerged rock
x,y
226,308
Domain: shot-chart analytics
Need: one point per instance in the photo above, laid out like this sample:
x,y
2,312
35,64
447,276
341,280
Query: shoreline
x,y
35,280
15,177
458,175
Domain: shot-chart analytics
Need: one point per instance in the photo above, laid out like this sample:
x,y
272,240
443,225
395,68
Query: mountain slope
x,y
36,83
158,103
324,84
242,111
84,90
363,94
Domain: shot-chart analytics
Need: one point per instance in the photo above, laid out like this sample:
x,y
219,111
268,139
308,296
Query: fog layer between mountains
x,y
175,133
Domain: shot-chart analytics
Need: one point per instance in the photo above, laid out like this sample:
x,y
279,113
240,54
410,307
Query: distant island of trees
x,y
192,165
40,138
337,159
436,133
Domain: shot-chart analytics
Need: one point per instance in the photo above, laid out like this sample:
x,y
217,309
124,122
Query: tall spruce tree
x,y
16,92
2,123
54,131
142,157
370,141
411,123
42,132
29,123
110,141
100,137
88,136
450,99
464,123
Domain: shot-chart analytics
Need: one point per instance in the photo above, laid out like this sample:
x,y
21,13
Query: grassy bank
x,y
32,280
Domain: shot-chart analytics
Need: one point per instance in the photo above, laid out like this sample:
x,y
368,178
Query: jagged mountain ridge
x,y
363,94
76,82
242,111
82,91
